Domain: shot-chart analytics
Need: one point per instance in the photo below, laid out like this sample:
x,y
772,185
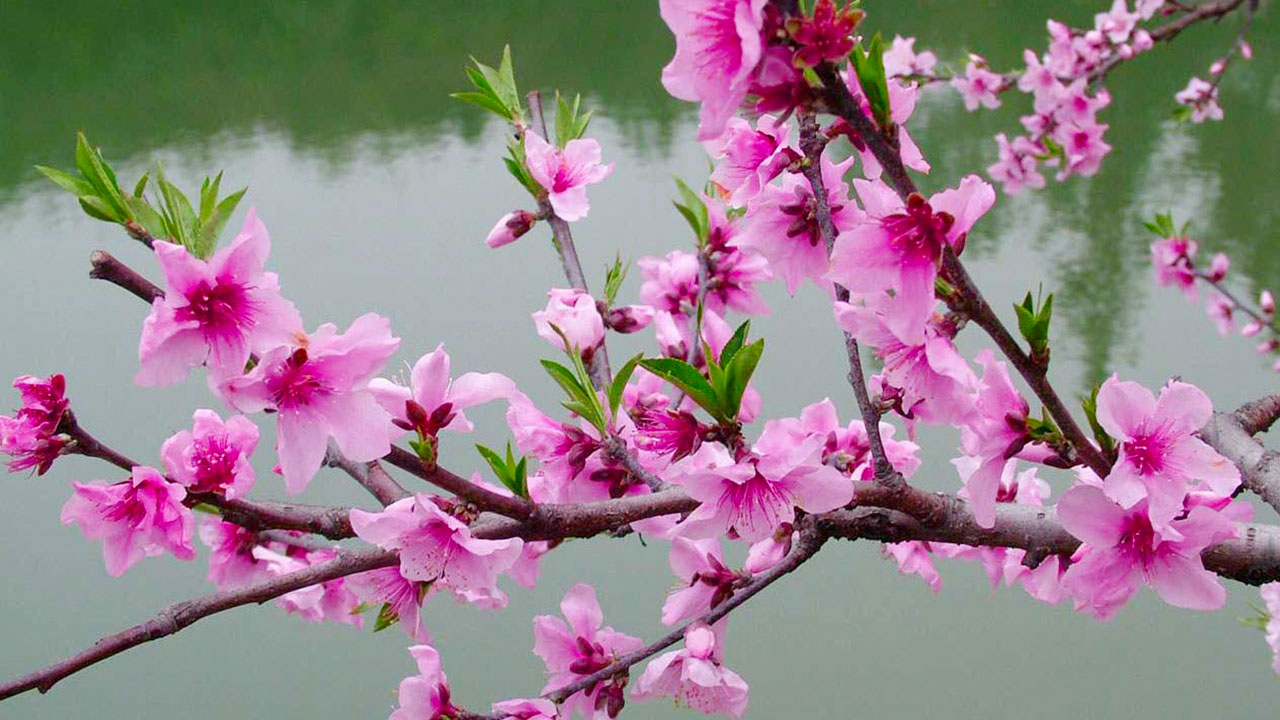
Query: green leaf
x,y
213,222
67,181
687,378
1090,406
582,399
506,85
386,618
732,347
613,279
481,100
146,216
738,374
516,166
620,380
694,211
869,65
141,186
98,174
565,378
98,209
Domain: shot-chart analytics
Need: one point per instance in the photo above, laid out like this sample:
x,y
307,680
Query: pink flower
x,y
670,283
902,103
435,545
213,457
978,86
401,597
1117,24
695,677
752,157
30,436
1173,261
898,246
231,560
825,35
901,59
707,581
526,709
331,600
424,696
1160,457
718,46
574,313
439,400
565,173
1122,550
1082,146
319,388
846,449
143,516
1202,98
1271,596
1016,167
781,224
1219,264
215,312
755,495
915,558
1222,311
995,432
510,228
578,648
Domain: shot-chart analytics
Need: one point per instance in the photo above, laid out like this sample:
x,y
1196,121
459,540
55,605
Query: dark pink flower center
x,y
918,232
223,308
1138,538
294,382
591,657
214,460
1148,451
805,213
128,510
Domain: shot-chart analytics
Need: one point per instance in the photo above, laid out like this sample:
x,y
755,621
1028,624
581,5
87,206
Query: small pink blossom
x,y
1122,550
755,495
718,46
901,59
1218,267
845,448
574,312
140,517
1117,24
331,601
978,86
510,227
1222,311
915,558
751,157
1082,146
231,560
213,457
319,388
1160,457
215,312
695,677
1202,98
401,597
30,437
526,709
1017,165
580,647
996,432
699,564
424,696
565,173
433,401
435,545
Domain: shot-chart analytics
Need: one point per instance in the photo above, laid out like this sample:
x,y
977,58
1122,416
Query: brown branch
x,y
810,542
1232,435
180,615
562,238
512,507
616,448
370,475
107,267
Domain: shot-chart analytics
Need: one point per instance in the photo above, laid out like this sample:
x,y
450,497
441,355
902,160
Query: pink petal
x,y
1087,514
1123,406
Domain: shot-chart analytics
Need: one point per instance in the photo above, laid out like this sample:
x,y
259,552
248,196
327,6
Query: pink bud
x,y
1246,50
1142,41
510,228
1217,67
1268,302
630,318
1218,267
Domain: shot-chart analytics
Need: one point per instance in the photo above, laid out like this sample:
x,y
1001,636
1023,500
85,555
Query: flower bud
x,y
510,228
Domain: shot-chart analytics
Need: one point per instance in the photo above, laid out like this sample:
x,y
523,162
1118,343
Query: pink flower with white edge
x,y
435,545
751,157
782,224
719,43
510,227
213,457
755,495
439,400
574,312
899,246
215,312
1173,261
30,437
978,85
402,597
140,517
1122,550
565,173
695,676
526,709
1160,457
424,696
1271,597
319,388
699,564
580,647
231,560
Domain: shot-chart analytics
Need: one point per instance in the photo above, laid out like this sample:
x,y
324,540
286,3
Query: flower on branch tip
x,y
433,401
30,437
215,312
564,173
719,43
139,517
424,696
510,228
578,646
213,457
695,676
319,387
1173,260
436,546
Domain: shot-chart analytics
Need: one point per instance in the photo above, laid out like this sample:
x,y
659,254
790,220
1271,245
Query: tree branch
x,y
1231,434
512,507
370,475
107,267
180,615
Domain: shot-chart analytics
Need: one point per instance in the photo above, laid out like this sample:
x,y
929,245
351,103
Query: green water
x,y
378,191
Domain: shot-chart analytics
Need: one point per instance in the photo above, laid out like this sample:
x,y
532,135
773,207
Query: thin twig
x,y
512,507
371,476
107,267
